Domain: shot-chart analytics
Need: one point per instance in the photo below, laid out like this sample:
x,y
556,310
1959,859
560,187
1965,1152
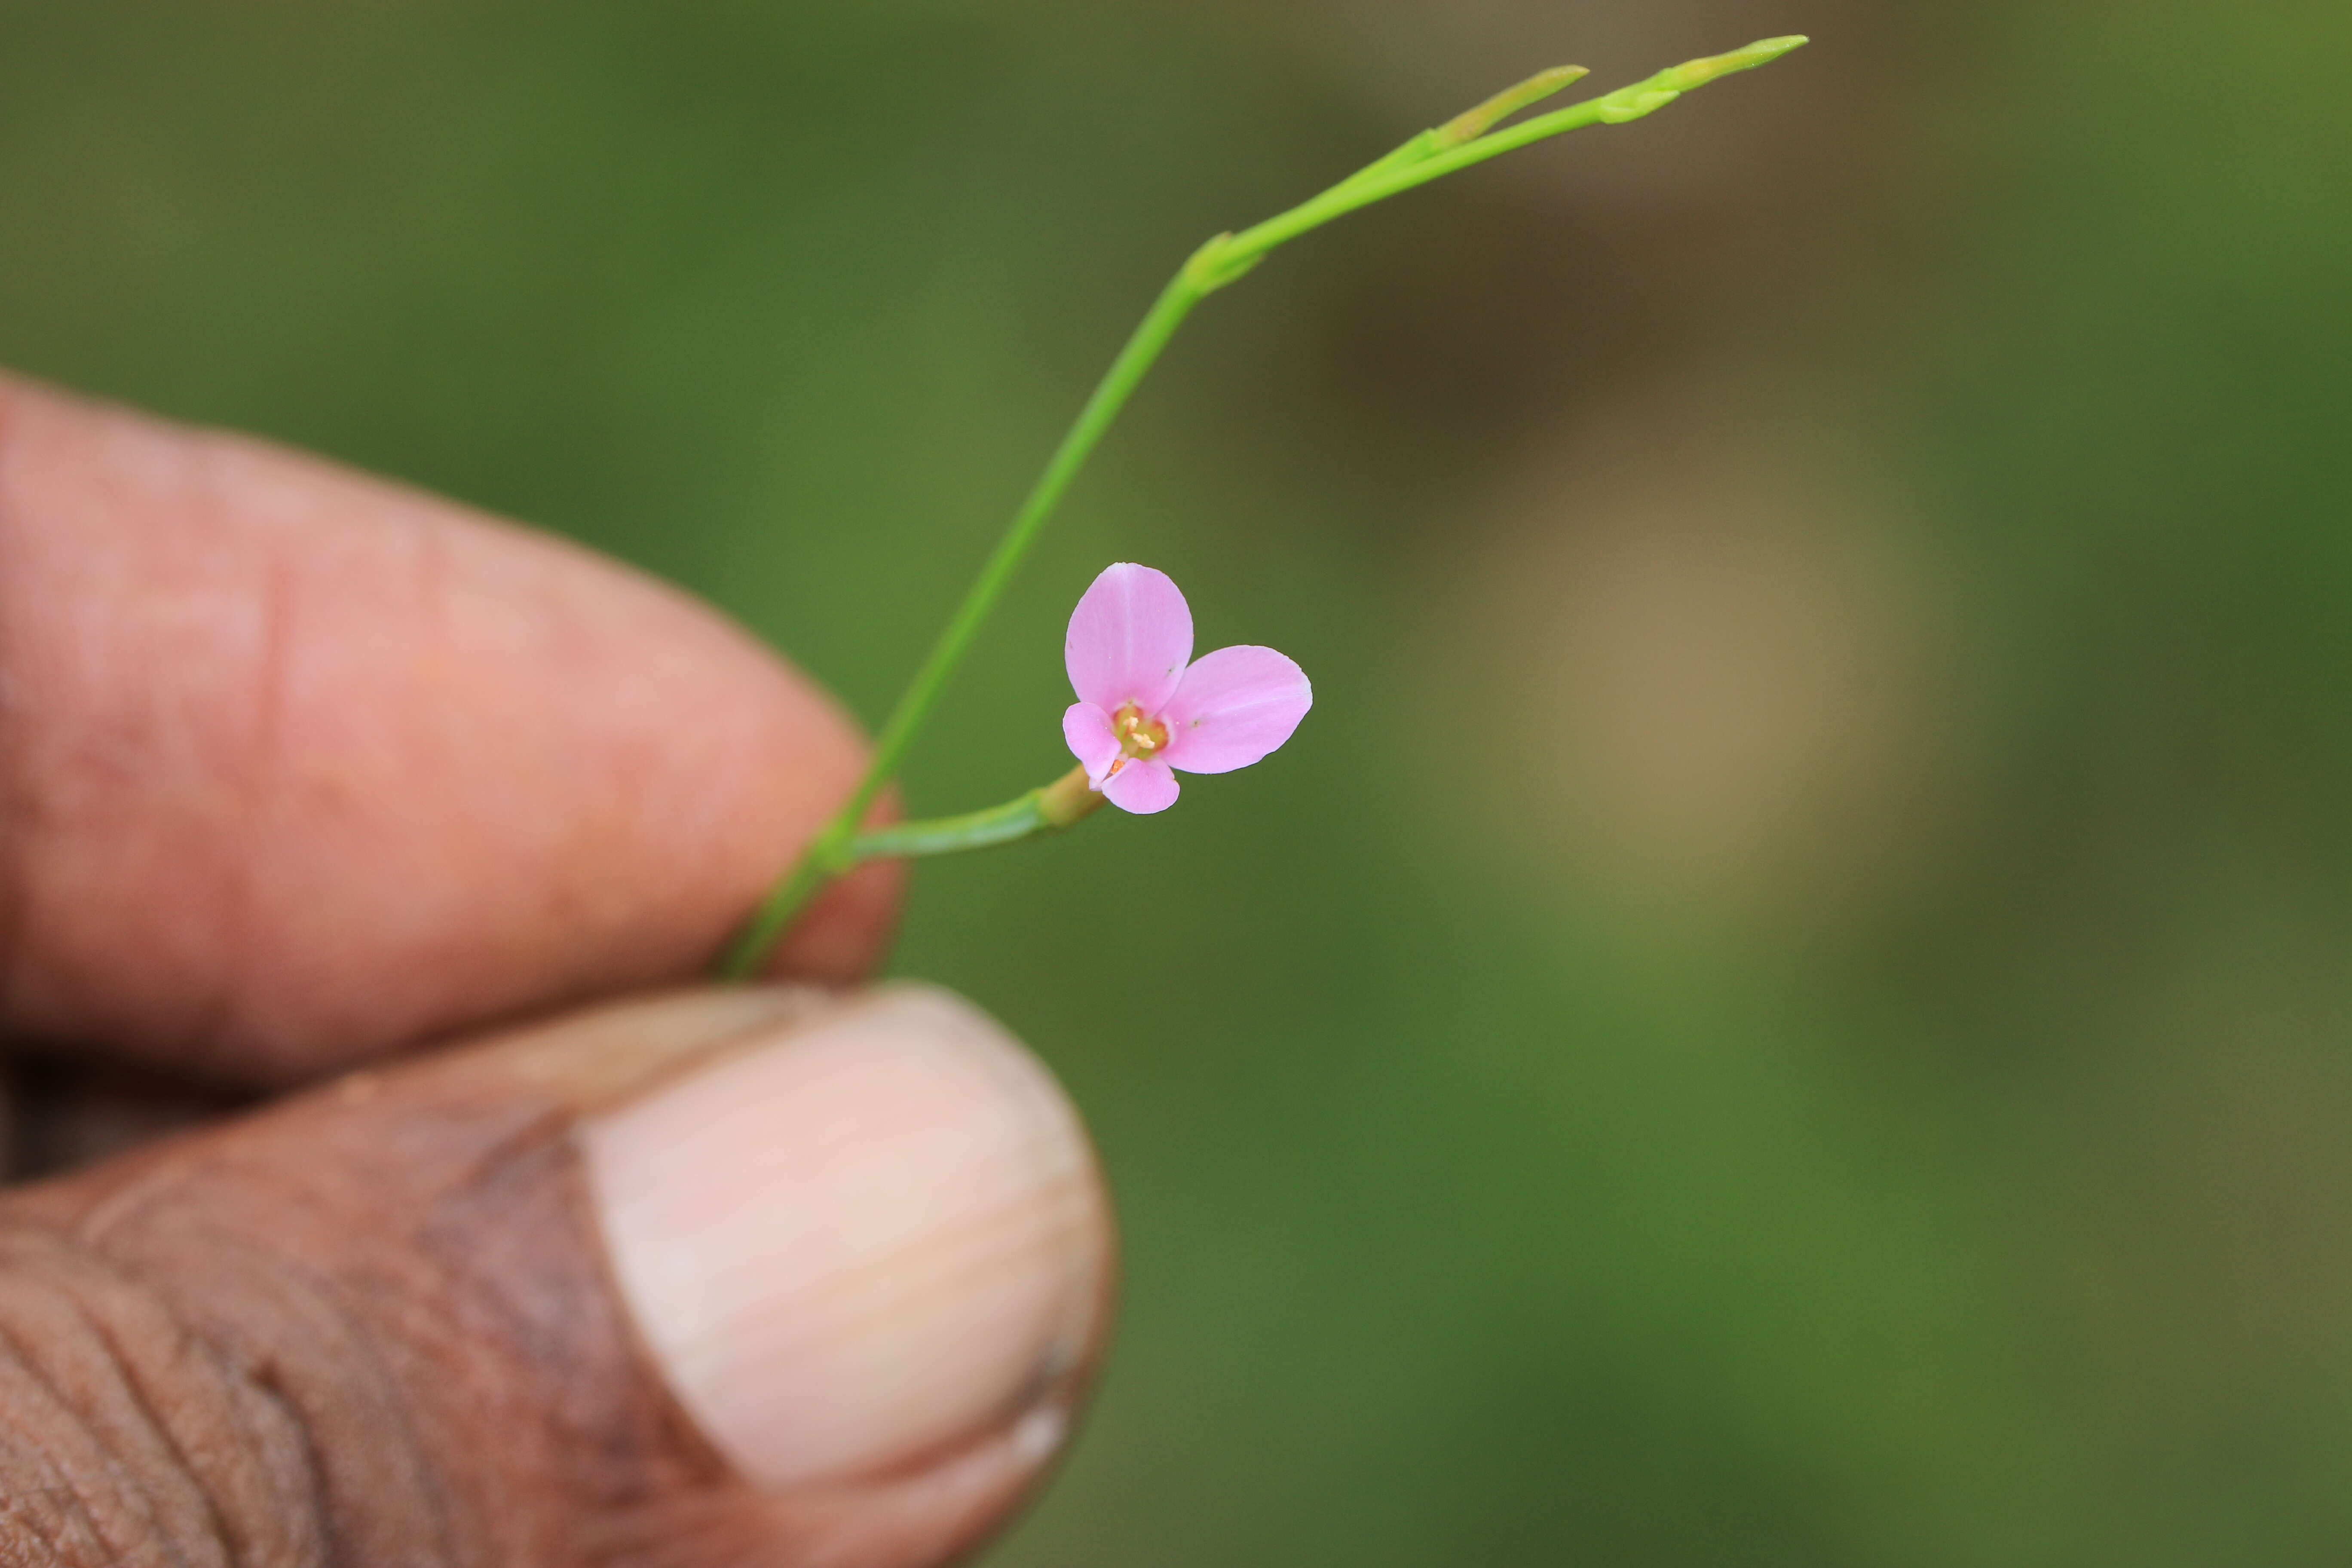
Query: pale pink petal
x,y
1233,707
1092,740
1143,786
1129,639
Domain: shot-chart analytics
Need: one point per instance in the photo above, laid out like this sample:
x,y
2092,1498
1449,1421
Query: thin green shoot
x,y
1469,139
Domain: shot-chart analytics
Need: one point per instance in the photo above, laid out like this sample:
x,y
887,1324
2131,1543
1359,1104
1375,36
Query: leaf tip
x,y
1471,124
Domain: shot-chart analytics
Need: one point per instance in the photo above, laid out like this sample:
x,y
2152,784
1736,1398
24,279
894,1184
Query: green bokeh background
x,y
1790,1004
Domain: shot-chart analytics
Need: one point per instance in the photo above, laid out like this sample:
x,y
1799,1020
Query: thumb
x,y
724,1278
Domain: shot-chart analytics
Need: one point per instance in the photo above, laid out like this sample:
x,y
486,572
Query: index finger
x,y
297,767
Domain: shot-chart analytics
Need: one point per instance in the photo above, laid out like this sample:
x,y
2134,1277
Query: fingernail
x,y
868,1236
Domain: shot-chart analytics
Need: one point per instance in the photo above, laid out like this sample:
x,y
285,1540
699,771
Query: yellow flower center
x,y
1137,736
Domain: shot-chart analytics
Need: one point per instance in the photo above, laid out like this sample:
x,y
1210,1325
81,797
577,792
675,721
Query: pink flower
x,y
1146,707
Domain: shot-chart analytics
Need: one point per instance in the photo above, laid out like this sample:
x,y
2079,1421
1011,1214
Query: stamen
x,y
1137,733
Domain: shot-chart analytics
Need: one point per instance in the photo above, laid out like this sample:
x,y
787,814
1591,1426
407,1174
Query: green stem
x,y
1187,288
1067,801
952,834
1429,156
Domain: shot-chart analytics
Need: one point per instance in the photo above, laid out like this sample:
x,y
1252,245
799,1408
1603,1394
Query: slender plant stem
x,y
1065,803
828,856
1469,139
1015,819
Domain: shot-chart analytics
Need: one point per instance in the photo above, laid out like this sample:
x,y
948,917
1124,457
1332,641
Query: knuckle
x,y
351,1329
127,1439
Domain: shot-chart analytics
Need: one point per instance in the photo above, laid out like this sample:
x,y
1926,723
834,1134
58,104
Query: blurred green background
x,y
1790,1004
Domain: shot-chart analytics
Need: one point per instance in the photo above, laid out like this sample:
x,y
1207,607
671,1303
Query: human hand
x,y
299,772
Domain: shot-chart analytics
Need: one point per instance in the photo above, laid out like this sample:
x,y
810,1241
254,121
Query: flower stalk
x,y
1469,139
1049,809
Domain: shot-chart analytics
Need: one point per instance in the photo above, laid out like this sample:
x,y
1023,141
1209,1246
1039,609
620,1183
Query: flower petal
x,y
1233,707
1129,640
1143,786
1092,740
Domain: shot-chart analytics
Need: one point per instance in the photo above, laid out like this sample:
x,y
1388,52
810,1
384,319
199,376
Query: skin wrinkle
x,y
451,1294
152,1357
286,1304
70,1505
307,1343
118,1499
258,1485
157,1179
223,1526
284,1313
148,1417
131,1386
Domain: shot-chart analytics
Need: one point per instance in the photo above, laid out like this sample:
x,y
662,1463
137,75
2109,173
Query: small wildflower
x,y
1146,707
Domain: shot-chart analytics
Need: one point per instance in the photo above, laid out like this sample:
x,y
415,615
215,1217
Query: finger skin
x,y
373,1324
298,767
